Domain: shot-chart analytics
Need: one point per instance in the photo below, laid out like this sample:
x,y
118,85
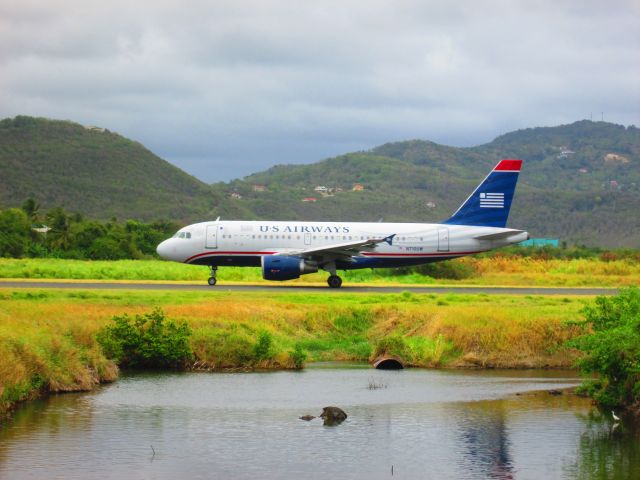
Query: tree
x,y
60,234
612,348
32,209
15,231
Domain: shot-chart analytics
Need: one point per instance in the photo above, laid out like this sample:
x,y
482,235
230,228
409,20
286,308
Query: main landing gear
x,y
334,280
212,279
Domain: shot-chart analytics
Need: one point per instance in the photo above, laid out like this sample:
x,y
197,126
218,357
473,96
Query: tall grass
x,y
48,337
494,270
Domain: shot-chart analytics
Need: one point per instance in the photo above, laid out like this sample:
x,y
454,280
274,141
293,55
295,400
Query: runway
x,y
275,288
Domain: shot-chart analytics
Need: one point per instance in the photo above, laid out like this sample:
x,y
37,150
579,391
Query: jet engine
x,y
280,267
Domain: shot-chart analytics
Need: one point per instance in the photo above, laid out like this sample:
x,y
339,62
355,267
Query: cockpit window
x,y
182,235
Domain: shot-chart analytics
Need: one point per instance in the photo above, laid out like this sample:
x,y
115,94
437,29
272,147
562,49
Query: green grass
x,y
511,271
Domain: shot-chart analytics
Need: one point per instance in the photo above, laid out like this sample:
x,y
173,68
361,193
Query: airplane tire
x,y
334,281
212,281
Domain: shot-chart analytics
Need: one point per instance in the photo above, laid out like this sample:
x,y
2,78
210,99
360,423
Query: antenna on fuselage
x,y
218,219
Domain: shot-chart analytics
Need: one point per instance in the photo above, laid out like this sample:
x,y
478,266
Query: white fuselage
x,y
245,242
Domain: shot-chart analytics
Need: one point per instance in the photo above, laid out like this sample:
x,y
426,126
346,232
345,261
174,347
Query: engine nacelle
x,y
280,267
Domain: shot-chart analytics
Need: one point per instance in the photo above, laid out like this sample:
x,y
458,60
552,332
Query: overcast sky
x,y
227,88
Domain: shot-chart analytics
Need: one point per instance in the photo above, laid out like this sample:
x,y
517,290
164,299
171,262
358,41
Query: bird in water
x,y
615,417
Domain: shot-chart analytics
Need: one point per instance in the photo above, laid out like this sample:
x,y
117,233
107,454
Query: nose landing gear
x,y
212,279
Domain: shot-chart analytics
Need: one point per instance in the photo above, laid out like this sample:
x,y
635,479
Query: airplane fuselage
x,y
243,243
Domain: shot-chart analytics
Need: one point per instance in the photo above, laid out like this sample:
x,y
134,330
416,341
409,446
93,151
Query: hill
x,y
93,171
580,183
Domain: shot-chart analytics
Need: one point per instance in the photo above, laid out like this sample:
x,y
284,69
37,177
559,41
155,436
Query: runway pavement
x,y
275,288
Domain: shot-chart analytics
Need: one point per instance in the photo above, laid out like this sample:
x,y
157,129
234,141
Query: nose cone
x,y
163,249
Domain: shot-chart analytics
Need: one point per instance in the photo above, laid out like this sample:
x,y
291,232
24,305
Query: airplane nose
x,y
163,249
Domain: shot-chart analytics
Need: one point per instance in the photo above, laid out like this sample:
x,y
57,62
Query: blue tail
x,y
490,202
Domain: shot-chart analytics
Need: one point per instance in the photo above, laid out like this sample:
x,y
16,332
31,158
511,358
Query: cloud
x,y
223,89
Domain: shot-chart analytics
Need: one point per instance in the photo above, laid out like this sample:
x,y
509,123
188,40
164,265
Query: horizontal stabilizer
x,y
499,235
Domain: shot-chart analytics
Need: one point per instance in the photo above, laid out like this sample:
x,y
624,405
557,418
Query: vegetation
x,y
485,270
60,340
587,173
612,349
93,171
146,341
71,236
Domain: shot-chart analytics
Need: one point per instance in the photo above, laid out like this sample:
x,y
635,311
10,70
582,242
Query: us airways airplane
x,y
287,250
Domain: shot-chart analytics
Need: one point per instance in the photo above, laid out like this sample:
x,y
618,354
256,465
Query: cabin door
x,y
211,240
443,239
307,239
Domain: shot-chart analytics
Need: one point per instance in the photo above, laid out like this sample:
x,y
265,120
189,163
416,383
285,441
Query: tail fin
x,y
489,204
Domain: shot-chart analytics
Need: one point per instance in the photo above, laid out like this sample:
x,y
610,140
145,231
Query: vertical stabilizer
x,y
490,202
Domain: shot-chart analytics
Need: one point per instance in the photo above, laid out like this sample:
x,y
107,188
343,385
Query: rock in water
x,y
333,415
307,417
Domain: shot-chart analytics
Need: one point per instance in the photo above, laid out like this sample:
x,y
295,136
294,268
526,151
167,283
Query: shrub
x,y
298,356
147,341
393,345
451,270
263,349
612,348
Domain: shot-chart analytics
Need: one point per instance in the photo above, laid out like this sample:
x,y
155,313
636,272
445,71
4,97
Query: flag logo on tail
x,y
492,200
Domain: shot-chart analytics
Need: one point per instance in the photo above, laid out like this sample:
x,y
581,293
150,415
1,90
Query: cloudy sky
x,y
226,88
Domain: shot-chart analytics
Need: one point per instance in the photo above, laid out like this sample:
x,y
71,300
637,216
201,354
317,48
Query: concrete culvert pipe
x,y
388,363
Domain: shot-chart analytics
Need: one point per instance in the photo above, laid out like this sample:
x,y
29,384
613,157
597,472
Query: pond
x,y
401,424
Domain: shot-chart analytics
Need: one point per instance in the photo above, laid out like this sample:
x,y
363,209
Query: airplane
x,y
287,250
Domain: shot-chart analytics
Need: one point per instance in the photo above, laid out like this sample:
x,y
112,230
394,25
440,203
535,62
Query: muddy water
x,y
414,424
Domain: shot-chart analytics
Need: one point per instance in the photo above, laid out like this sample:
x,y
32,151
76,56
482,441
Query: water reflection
x,y
484,439
425,424
606,452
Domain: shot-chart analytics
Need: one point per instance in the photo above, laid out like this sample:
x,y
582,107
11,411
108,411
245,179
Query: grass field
x,y
47,337
505,271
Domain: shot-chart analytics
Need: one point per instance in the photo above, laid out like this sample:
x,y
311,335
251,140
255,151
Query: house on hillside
x,y
321,189
236,195
257,187
93,128
43,229
566,153
357,187
310,199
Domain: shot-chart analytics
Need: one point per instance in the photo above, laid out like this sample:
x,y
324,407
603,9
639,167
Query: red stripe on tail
x,y
511,165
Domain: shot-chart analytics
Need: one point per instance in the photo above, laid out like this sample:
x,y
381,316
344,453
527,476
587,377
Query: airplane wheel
x,y
334,281
212,281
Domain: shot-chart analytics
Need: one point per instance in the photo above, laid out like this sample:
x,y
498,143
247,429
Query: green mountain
x,y
580,183
93,171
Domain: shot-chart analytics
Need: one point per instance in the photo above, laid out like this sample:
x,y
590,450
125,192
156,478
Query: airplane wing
x,y
339,250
